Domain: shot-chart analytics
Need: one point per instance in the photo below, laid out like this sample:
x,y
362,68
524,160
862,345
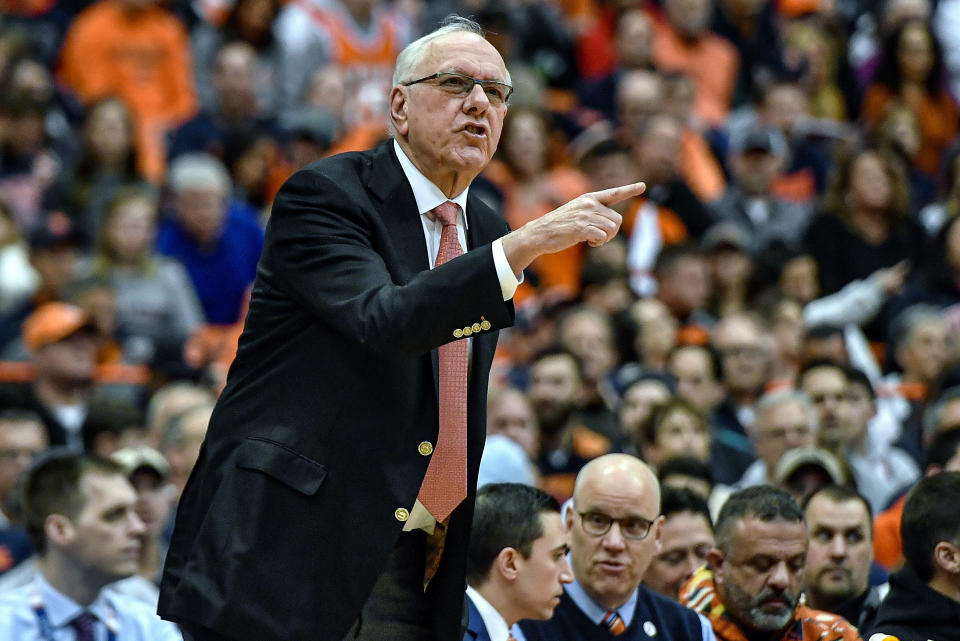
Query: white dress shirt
x,y
492,620
129,620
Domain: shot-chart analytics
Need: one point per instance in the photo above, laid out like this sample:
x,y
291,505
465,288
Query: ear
x,y
715,561
506,563
398,110
658,534
947,556
58,529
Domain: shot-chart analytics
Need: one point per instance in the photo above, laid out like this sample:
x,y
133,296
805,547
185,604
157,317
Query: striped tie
x,y
613,622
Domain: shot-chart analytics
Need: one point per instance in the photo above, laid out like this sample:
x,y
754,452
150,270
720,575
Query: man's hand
x,y
587,218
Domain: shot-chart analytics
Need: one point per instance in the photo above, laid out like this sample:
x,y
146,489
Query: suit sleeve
x,y
324,252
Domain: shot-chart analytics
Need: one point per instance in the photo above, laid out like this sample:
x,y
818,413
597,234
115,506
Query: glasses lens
x,y
455,83
635,527
596,523
497,92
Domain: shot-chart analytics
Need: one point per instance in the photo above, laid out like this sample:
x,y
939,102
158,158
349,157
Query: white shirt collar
x,y
427,195
61,609
594,611
492,620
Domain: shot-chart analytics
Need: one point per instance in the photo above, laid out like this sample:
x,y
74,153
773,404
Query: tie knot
x,y
446,213
83,624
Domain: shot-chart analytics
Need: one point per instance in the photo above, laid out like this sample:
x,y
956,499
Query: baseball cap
x,y
726,233
132,459
794,460
765,139
53,322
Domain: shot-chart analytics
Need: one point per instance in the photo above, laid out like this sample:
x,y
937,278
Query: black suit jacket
x,y
313,449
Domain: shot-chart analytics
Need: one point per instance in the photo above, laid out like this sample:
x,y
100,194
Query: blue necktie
x,y
83,624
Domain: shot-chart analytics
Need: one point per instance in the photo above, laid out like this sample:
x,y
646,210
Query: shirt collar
x,y
492,620
594,611
427,195
61,609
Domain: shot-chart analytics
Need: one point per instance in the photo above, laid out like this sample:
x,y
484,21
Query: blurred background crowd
x,y
780,307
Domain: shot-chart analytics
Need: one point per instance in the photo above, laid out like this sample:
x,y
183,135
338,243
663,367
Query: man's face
x,y
154,499
591,340
71,360
611,566
827,389
554,387
695,380
20,441
759,581
445,132
686,288
202,212
541,576
638,401
105,537
779,428
860,408
687,538
924,355
680,433
746,354
512,416
841,549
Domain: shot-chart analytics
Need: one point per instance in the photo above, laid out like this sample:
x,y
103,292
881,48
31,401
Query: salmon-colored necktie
x,y
445,485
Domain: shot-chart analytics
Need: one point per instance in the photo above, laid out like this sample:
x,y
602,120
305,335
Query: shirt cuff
x,y
508,280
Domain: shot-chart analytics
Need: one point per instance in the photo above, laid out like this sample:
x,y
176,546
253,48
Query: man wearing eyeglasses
x,y
615,531
333,495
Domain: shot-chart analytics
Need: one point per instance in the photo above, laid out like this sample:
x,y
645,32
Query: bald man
x,y
615,531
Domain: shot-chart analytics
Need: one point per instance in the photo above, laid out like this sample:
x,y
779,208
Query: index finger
x,y
615,195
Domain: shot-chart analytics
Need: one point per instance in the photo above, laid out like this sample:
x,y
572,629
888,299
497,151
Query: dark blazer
x,y
313,453
476,629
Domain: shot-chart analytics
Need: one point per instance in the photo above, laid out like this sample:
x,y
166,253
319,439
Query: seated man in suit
x,y
615,530
517,560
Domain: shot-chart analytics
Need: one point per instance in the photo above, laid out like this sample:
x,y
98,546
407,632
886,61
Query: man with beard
x,y
750,588
837,579
566,445
615,531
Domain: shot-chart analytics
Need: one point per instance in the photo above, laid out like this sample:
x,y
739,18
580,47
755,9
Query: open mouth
x,y
475,130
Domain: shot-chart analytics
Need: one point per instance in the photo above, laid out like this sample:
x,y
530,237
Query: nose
x,y
837,547
613,539
780,577
566,574
137,526
476,100
691,564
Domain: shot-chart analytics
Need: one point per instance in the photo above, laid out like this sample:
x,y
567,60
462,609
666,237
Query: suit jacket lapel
x,y
398,210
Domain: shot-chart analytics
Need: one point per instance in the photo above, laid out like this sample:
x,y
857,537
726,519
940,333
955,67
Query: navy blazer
x,y
476,629
321,438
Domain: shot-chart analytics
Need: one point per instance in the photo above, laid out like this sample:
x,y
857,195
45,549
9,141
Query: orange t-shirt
x,y
142,57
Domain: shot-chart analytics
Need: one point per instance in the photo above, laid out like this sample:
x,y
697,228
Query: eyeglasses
x,y
635,528
460,85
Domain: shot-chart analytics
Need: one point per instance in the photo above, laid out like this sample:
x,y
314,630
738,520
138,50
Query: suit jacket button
x,y
425,448
467,331
476,328
401,514
458,333
485,325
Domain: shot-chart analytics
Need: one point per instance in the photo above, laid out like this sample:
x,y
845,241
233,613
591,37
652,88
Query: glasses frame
x,y
619,522
484,84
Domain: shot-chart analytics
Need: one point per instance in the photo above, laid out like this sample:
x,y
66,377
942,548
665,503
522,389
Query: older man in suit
x,y
334,493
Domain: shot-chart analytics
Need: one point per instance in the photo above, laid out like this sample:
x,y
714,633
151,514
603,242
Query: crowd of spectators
x,y
781,307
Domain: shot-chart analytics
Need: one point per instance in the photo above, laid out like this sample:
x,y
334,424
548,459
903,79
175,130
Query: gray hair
x,y
907,321
412,55
781,397
198,171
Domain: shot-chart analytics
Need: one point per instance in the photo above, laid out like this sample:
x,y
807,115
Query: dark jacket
x,y
913,611
316,447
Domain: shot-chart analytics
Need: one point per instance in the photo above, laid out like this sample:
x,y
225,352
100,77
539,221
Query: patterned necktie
x,y
614,623
83,624
445,485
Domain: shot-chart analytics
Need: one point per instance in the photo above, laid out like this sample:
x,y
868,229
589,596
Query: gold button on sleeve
x,y
458,333
476,327
467,331
425,448
401,514
485,325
